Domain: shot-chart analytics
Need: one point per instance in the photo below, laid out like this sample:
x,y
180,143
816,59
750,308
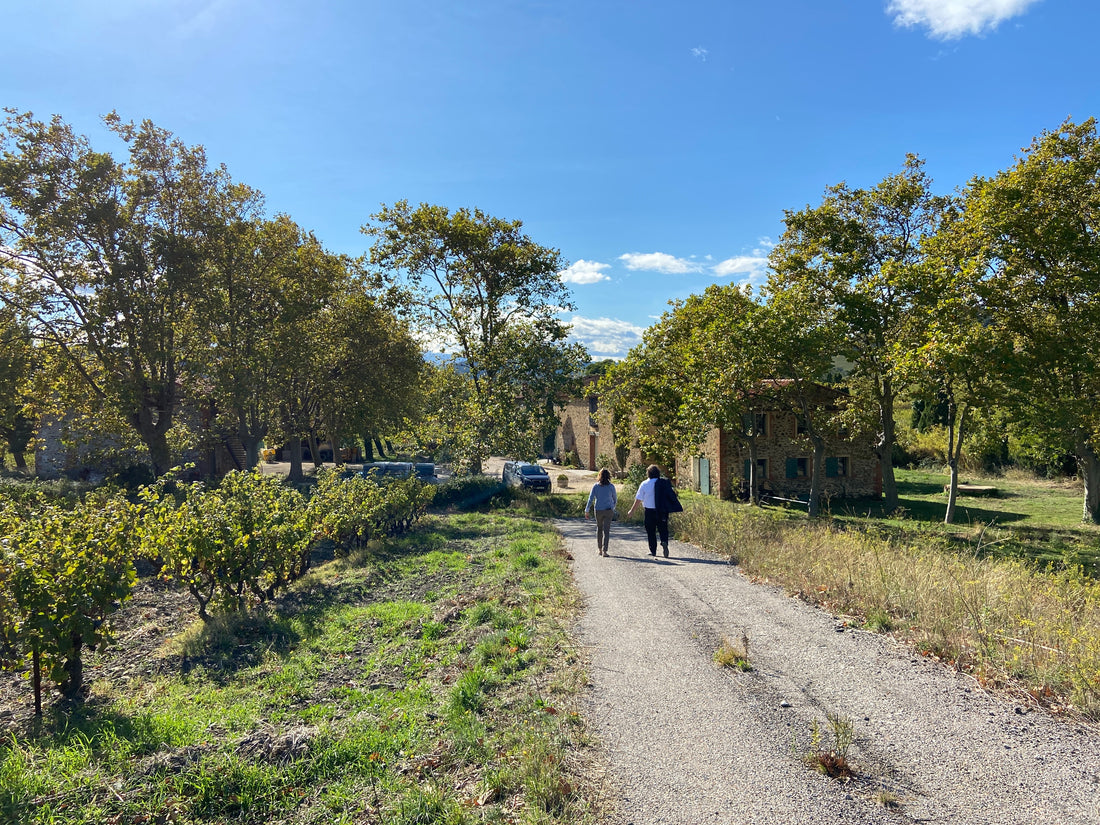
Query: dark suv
x,y
526,475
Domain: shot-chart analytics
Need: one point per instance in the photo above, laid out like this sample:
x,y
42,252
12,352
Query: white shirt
x,y
647,493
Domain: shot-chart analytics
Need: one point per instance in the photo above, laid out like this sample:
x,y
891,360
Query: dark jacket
x,y
664,496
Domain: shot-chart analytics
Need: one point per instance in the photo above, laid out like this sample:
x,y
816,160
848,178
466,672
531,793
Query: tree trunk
x,y
315,451
156,440
334,439
754,472
886,446
368,450
251,451
813,507
251,437
74,669
954,452
1089,463
20,459
153,431
295,473
378,446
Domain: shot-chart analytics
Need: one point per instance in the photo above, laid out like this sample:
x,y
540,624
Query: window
x,y
593,404
762,427
798,467
756,423
761,468
836,467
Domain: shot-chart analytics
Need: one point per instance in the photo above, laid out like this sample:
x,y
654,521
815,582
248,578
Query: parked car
x,y
389,469
526,475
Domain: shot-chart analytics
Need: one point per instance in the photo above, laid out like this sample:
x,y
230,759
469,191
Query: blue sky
x,y
656,144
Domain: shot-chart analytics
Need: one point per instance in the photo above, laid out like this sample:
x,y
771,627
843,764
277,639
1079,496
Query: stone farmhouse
x,y
720,465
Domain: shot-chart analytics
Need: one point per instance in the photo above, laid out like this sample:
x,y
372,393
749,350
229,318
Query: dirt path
x,y
689,742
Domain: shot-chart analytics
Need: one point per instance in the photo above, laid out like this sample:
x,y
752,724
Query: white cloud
x,y
606,337
746,268
700,53
659,262
949,19
584,272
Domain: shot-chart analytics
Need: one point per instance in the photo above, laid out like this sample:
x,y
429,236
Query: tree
x,y
729,369
266,280
19,362
109,257
479,287
371,367
645,394
952,354
1036,227
858,253
801,337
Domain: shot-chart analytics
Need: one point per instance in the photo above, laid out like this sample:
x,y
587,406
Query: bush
x,y
231,546
351,511
468,492
63,572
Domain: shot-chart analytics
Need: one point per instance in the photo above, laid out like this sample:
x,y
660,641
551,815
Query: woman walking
x,y
602,499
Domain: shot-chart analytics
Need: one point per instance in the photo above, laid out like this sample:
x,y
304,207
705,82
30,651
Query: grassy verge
x,y
1027,518
429,680
1011,624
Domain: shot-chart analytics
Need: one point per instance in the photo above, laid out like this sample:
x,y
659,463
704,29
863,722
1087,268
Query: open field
x,y
1028,518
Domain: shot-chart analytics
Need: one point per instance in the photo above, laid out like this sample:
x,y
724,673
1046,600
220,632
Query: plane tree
x,y
1036,231
20,363
109,255
476,287
858,253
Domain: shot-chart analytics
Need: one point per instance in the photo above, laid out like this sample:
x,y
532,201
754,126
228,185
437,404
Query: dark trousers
x,y
656,521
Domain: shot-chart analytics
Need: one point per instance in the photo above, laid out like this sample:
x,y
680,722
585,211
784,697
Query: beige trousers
x,y
603,529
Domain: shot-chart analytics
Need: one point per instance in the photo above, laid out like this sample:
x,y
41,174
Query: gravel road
x,y
689,742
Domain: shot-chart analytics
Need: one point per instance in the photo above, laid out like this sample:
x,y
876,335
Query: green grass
x,y
1029,519
425,680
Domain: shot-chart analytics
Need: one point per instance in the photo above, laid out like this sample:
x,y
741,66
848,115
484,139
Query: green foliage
x,y
111,257
233,545
492,296
352,510
468,492
63,572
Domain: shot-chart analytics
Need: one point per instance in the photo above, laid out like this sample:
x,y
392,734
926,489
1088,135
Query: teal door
x,y
704,476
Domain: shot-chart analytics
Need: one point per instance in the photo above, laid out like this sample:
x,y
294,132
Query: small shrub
x,y
563,480
734,654
831,761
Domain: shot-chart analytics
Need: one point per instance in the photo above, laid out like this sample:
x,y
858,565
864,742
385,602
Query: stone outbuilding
x,y
720,465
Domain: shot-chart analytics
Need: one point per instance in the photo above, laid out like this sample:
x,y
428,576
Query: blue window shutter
x,y
831,467
747,469
792,468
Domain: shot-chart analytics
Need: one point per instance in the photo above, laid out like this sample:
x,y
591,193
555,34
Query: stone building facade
x,y
720,464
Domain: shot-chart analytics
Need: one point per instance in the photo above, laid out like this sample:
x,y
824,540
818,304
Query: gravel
x,y
687,741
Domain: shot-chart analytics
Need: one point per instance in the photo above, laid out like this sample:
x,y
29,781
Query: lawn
x,y
1027,518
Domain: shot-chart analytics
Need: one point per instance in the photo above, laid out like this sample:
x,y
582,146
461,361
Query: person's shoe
x,y
653,552
666,550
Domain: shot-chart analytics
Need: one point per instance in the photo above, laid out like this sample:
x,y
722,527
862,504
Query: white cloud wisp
x,y
585,272
659,262
747,269
952,19
605,337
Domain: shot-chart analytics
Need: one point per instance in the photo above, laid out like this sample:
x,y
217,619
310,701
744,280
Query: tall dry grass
x,y
1012,626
